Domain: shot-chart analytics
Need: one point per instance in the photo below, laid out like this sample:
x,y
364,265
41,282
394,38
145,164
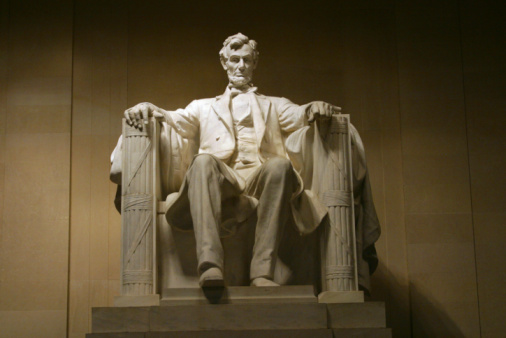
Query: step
x,y
238,295
300,333
357,315
247,316
210,317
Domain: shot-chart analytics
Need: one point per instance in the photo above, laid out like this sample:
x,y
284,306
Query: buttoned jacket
x,y
210,122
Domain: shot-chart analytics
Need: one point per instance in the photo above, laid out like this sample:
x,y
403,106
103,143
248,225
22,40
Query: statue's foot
x,y
212,278
261,281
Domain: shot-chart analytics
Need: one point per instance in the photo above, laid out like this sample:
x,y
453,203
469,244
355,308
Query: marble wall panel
x,y
440,228
36,324
35,99
80,206
435,170
99,99
39,119
99,208
79,308
99,290
113,290
484,85
2,151
41,264
26,295
82,187
490,232
4,24
38,190
4,37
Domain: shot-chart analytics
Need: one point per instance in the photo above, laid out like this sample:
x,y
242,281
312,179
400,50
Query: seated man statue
x,y
242,166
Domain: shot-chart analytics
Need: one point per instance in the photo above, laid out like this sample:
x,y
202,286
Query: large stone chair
x,y
337,258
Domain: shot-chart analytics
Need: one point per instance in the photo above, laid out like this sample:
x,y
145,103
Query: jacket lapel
x,y
221,107
260,111
270,142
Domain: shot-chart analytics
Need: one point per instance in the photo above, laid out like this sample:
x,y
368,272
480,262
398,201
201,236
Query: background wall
x,y
424,83
35,136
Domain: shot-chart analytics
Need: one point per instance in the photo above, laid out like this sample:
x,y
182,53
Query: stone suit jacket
x,y
209,122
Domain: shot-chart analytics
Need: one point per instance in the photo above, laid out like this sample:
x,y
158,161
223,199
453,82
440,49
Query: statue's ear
x,y
223,61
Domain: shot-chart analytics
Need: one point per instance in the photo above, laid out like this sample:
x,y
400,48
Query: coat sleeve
x,y
186,122
291,116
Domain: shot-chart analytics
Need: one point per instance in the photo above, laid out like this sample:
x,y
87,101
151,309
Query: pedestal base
x,y
242,320
239,295
341,297
269,316
268,333
145,300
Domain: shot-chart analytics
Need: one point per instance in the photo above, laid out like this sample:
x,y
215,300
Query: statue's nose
x,y
241,64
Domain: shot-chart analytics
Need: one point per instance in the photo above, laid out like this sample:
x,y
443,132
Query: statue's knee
x,y
204,163
279,166
204,160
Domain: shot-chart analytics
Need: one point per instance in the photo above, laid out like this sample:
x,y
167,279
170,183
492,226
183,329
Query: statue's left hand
x,y
321,110
140,114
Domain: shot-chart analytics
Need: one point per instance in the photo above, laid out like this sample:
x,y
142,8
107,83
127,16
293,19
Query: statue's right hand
x,y
140,114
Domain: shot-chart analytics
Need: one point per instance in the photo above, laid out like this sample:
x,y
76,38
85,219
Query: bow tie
x,y
234,91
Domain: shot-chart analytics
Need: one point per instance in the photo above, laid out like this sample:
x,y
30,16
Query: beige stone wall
x,y
437,193
35,110
423,82
484,89
99,98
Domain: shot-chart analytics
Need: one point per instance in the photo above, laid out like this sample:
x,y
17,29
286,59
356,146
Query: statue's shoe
x,y
211,278
261,281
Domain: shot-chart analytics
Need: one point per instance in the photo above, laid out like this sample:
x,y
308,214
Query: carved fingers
x,y
139,114
322,110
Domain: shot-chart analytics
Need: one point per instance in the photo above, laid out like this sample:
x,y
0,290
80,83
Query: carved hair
x,y
235,42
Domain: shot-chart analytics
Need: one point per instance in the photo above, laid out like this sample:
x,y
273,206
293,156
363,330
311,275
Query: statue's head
x,y
239,57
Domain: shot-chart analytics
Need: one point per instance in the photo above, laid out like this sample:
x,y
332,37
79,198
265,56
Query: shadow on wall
x,y
428,317
425,317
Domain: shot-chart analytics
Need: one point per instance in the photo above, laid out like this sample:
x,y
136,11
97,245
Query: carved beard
x,y
239,81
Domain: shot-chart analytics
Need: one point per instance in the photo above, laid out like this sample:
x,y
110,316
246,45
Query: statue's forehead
x,y
243,51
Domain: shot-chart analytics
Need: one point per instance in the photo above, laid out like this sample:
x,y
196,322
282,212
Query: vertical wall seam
x,y
396,29
70,171
466,123
90,280
7,26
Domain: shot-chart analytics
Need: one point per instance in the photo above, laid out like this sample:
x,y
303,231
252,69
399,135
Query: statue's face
x,y
240,66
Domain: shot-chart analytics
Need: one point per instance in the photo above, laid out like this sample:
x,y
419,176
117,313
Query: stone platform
x,y
241,312
239,295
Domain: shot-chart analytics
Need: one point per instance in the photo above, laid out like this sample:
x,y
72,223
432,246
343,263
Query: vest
x,y
245,159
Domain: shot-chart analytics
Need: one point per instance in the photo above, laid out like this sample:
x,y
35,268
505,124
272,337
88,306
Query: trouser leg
x,y
275,185
206,188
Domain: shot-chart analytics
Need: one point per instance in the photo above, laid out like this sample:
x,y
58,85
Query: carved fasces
x,y
138,209
336,192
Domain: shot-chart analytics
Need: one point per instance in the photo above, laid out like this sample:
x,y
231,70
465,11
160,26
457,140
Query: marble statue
x,y
243,154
